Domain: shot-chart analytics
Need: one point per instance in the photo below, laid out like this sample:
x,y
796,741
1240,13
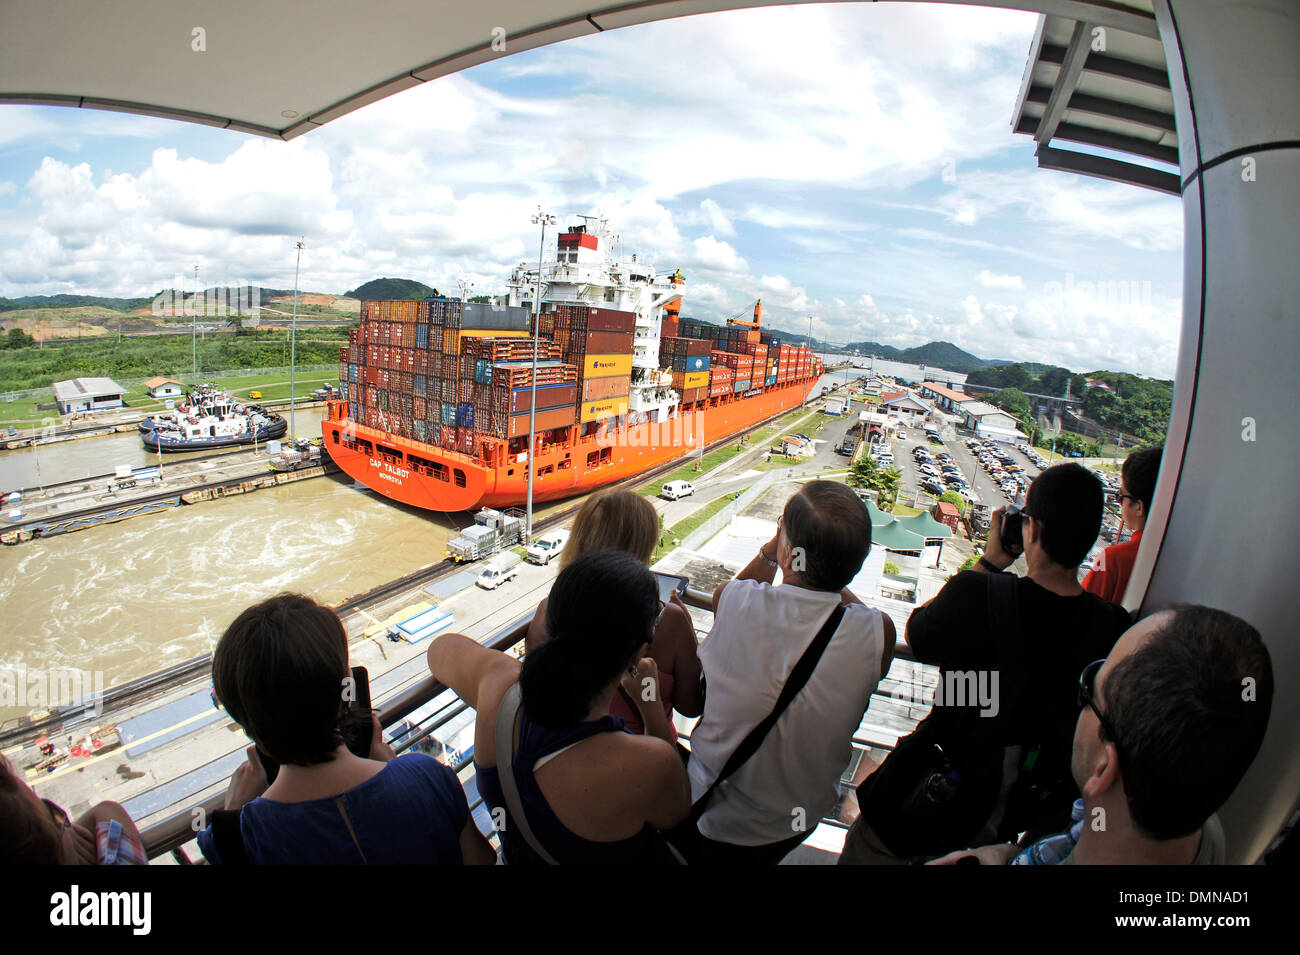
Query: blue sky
x,y
849,162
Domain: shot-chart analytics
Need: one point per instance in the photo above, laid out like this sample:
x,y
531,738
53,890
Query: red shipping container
x,y
547,397
545,421
596,389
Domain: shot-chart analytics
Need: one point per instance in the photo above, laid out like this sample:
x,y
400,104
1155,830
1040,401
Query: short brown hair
x,y
1187,727
279,671
613,520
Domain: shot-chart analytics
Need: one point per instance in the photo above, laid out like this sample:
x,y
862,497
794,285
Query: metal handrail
x,y
177,829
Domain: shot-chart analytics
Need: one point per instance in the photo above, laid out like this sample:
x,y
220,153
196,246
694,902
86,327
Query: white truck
x,y
546,547
498,569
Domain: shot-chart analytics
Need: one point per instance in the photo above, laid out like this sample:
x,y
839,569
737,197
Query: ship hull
x,y
275,429
420,475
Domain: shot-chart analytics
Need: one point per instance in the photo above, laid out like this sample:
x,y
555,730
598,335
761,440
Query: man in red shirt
x,y
1137,485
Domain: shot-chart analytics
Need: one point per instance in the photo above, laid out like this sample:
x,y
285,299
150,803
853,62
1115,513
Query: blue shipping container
x,y
742,385
420,385
449,415
352,410
770,380
465,416
422,338
697,363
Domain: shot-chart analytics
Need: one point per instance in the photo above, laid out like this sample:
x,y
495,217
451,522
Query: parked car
x,y
929,469
933,486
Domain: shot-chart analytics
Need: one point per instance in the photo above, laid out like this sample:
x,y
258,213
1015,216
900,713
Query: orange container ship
x,y
437,394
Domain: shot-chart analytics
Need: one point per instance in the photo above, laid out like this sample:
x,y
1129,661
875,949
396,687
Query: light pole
x,y
293,332
194,324
543,219
807,345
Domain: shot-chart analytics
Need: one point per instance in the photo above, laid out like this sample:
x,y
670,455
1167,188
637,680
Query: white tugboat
x,y
210,418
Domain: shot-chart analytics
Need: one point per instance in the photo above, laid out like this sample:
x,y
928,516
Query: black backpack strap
x,y
1004,611
798,678
227,839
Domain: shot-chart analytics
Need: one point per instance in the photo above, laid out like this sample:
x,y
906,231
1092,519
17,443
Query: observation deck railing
x,y
174,831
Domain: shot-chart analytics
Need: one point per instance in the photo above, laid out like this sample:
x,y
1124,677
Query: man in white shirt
x,y
768,805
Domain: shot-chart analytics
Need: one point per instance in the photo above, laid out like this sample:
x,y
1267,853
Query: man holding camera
x,y
993,756
790,670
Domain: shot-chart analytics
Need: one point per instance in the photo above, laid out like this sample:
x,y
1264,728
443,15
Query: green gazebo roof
x,y
893,536
925,525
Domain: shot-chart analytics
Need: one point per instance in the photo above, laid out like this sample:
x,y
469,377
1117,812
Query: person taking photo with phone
x,y
281,672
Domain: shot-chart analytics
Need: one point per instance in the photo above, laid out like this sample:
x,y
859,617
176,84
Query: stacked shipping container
x,y
598,342
456,375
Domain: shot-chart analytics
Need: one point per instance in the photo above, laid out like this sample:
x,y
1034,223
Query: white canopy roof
x,y
286,67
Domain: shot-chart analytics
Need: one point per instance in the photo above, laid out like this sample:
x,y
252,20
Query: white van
x,y
676,490
546,547
498,570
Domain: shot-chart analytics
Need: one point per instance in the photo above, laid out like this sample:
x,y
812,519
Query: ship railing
x,y
874,738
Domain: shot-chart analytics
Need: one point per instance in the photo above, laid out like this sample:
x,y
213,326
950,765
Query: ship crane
x,y
750,317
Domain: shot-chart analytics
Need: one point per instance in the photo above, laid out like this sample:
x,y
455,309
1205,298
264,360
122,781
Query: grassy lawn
x,y
902,510
307,383
725,453
682,528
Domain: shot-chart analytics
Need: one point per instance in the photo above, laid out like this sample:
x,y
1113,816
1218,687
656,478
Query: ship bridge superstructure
x,y
587,270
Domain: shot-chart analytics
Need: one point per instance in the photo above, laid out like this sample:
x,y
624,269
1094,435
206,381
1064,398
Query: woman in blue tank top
x,y
588,792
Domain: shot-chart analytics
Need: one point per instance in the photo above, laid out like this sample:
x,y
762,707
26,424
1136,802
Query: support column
x,y
1225,526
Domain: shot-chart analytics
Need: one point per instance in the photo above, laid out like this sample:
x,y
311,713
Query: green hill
x,y
391,290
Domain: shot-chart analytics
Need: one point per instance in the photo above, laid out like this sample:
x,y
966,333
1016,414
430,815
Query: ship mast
x,y
544,219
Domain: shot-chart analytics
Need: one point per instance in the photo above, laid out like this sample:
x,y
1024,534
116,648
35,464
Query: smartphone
x,y
670,582
357,727
1013,540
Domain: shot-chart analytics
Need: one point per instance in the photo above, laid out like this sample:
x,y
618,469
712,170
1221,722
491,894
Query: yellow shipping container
x,y
606,366
691,379
611,408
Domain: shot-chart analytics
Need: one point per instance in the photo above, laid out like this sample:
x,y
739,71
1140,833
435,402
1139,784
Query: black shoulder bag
x,y
943,783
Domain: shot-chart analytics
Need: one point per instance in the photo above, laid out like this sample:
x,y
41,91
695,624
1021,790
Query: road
x,y
739,473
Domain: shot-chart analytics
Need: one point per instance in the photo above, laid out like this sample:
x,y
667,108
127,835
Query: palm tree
x,y
884,481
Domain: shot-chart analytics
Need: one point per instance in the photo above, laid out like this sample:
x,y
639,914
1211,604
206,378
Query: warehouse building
x,y
990,422
88,394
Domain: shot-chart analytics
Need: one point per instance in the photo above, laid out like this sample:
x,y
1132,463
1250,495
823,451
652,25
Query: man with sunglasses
x,y
1137,486
1169,724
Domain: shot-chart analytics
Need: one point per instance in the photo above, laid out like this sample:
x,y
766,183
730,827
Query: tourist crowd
x,y
1099,739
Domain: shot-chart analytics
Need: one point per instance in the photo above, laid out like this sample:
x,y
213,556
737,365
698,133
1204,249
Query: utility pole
x,y
194,322
543,219
293,333
808,345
